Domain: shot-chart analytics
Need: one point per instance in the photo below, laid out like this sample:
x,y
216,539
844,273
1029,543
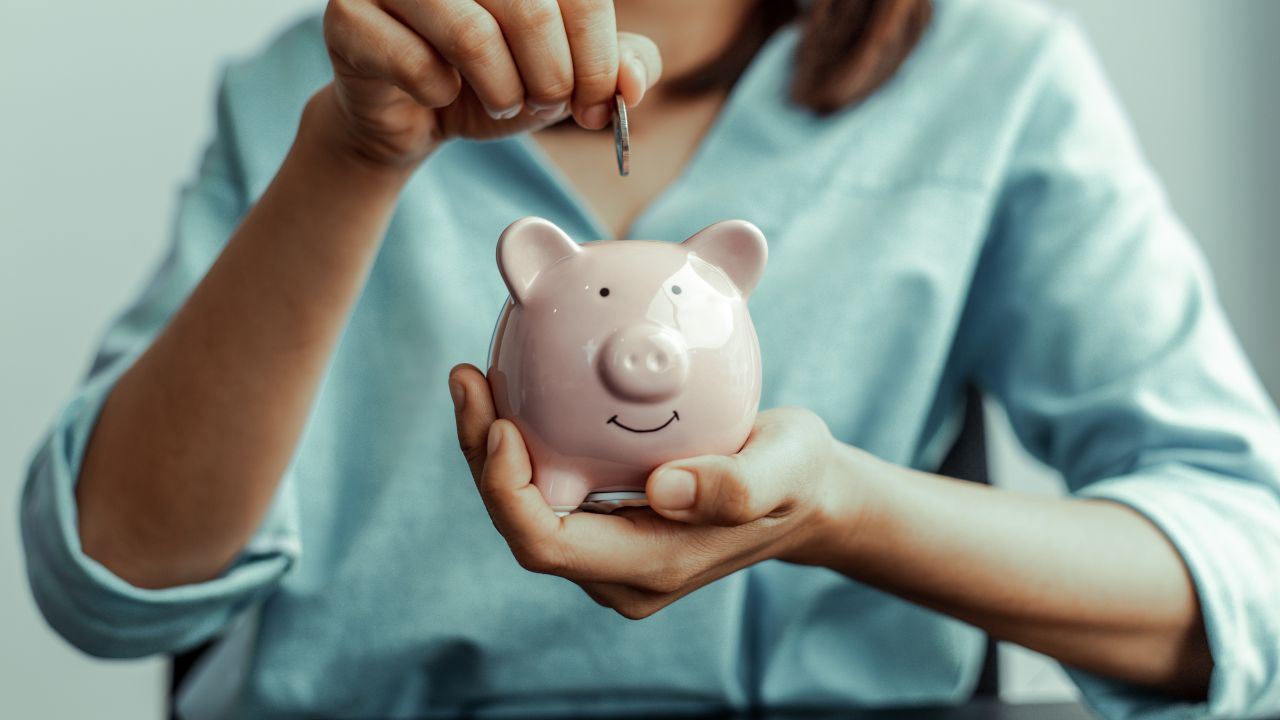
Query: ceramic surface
x,y
613,357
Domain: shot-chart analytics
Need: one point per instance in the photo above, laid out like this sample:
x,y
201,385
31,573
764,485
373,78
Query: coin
x,y
621,136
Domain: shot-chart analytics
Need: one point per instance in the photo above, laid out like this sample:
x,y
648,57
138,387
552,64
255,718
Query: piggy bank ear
x,y
735,246
527,247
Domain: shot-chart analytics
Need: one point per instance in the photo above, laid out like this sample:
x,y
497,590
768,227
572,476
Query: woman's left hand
x,y
709,516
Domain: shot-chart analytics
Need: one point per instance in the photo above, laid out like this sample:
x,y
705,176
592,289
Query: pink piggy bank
x,y
613,357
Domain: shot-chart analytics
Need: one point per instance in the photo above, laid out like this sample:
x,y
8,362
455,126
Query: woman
x,y
951,197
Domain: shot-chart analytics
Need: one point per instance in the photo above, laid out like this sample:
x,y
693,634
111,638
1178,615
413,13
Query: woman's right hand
x,y
410,74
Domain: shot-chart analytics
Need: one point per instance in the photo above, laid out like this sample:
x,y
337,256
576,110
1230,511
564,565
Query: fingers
x,y
680,561
534,31
503,473
639,550
593,41
471,40
723,552
636,562
548,57
371,44
502,470
787,448
473,412
631,603
517,508
639,66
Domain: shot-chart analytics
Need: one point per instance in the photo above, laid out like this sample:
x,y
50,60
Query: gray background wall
x,y
106,105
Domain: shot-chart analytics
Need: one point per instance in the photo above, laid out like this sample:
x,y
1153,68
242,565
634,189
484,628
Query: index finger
x,y
582,546
593,44
515,505
472,41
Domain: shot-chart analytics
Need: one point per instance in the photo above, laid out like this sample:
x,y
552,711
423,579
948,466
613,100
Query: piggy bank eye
x,y
604,292
675,290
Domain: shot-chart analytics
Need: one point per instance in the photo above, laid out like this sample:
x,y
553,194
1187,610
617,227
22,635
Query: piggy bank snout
x,y
644,362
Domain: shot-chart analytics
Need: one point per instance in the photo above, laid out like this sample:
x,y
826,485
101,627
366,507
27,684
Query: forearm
x,y
1090,583
193,439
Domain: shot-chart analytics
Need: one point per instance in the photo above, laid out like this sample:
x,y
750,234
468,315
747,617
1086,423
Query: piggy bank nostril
x,y
657,362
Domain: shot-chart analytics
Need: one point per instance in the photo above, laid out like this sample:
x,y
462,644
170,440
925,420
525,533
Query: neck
x,y
688,33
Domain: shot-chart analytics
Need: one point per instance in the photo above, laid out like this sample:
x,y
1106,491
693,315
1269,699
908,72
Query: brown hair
x,y
847,48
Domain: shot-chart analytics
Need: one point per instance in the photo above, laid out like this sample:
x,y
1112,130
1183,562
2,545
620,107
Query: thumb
x,y
711,490
639,66
786,448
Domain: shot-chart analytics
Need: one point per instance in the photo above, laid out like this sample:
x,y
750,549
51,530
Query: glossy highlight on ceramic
x,y
613,357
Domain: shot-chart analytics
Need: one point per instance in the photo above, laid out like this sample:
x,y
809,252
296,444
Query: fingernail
x,y
548,112
495,438
673,489
597,116
459,396
504,114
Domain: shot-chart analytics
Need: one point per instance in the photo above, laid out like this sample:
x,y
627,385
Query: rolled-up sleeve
x,y
1094,321
81,599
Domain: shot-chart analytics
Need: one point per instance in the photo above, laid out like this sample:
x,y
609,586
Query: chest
x,y
664,138
856,312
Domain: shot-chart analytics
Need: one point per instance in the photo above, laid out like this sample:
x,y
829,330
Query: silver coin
x,y
621,136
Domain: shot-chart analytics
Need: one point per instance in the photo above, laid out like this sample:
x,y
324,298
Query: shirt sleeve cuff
x,y
96,610
1227,531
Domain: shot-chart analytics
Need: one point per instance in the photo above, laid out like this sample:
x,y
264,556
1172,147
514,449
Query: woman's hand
x,y
409,74
1090,583
709,516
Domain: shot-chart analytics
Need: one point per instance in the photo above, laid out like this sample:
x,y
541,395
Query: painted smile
x,y
614,421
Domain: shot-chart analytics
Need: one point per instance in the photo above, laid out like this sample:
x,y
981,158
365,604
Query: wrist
x,y
852,505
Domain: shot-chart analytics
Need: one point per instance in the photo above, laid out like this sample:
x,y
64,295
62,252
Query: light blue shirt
x,y
985,217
